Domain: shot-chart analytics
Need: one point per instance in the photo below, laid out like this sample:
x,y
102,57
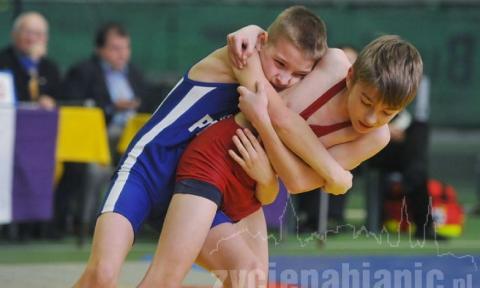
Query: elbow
x,y
295,186
300,183
292,186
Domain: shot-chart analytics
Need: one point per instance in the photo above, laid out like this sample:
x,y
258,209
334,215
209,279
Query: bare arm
x,y
287,165
352,154
349,155
294,172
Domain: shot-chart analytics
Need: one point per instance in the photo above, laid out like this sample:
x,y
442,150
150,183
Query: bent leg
x,y
234,256
112,240
254,228
186,226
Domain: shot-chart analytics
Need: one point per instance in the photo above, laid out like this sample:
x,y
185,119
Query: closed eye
x,y
366,100
300,75
366,103
279,63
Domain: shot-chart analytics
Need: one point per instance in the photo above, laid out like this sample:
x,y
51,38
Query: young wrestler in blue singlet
x,y
143,184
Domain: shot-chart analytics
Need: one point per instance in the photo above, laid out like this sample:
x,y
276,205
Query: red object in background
x,y
447,213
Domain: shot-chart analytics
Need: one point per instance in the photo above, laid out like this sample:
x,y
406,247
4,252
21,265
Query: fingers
x,y
241,148
242,90
246,143
259,87
236,158
234,51
253,140
229,50
249,49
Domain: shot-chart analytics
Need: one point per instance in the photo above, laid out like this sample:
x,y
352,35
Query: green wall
x,y
169,37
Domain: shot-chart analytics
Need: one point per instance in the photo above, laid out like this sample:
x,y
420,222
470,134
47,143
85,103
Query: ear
x,y
349,77
262,39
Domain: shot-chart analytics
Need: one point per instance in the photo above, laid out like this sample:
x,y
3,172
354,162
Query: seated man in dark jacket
x,y
109,81
108,78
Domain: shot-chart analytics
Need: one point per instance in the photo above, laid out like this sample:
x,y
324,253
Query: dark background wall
x,y
168,37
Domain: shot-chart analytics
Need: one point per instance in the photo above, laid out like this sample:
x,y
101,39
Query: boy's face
x,y
283,64
365,108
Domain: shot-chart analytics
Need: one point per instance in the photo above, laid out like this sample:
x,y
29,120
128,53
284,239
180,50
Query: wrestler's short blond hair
x,y
303,29
393,66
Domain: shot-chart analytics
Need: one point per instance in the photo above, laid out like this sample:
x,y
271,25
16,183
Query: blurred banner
x,y
27,160
7,140
7,90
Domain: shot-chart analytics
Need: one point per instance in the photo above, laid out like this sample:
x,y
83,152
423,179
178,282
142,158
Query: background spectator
x,y
109,79
36,77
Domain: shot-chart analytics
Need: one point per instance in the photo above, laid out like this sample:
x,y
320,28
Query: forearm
x,y
298,137
295,133
296,175
288,122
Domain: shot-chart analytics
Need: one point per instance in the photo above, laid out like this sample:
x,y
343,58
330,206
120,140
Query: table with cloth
x,y
32,141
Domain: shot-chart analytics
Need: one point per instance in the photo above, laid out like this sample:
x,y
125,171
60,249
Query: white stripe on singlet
x,y
194,95
169,93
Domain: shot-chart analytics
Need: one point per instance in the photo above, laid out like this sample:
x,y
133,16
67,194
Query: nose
x,y
371,118
283,80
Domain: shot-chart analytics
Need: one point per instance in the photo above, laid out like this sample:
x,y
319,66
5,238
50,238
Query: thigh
x,y
227,250
186,226
129,196
112,240
253,230
184,231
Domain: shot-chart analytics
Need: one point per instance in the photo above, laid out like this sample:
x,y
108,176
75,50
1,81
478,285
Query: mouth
x,y
279,88
364,126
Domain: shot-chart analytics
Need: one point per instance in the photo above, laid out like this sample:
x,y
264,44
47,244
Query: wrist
x,y
269,181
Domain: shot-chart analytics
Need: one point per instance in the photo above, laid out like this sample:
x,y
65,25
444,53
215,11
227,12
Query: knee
x,y
259,272
253,273
98,275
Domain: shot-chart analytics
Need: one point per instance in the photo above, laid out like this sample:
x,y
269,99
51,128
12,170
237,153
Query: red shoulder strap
x,y
323,99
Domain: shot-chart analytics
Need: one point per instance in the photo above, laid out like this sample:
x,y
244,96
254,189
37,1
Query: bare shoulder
x,y
332,68
337,56
335,62
215,67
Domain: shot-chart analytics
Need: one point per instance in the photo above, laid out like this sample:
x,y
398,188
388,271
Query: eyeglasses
x,y
33,32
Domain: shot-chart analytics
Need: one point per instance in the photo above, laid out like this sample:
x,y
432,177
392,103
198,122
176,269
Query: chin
x,y
362,129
